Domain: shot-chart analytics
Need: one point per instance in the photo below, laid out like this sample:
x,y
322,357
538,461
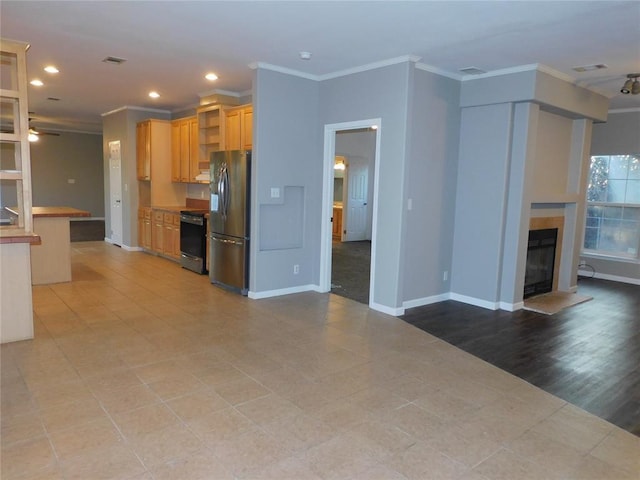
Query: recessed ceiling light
x,y
36,83
589,68
51,69
305,55
211,76
154,94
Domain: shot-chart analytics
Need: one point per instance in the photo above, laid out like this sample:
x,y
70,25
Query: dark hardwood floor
x,y
588,354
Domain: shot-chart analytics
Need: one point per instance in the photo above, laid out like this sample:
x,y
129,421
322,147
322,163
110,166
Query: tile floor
x,y
142,370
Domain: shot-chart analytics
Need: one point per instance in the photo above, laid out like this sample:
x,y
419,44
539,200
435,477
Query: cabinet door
x,y
143,151
232,130
175,151
194,147
185,150
157,242
246,126
146,235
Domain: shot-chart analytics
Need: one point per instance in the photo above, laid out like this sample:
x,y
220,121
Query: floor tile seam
x,y
523,460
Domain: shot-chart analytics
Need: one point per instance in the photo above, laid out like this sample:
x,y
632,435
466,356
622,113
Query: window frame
x,y
614,255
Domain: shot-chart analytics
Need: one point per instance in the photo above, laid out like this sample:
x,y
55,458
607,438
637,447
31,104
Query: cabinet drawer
x,y
176,220
168,218
158,216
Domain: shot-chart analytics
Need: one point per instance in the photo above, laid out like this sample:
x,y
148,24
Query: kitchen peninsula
x,y
51,259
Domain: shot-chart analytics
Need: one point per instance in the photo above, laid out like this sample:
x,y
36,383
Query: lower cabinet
x,y
144,227
159,231
171,235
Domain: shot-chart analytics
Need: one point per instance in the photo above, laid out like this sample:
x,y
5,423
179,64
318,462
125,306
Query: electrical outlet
x,y
296,269
582,263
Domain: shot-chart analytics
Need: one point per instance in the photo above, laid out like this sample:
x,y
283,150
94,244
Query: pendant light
x,y
631,85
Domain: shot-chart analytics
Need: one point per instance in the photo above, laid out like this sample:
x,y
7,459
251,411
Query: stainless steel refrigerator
x,y
229,220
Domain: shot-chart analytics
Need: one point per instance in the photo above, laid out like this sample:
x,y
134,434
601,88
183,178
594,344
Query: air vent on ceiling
x,y
588,68
53,99
114,60
472,71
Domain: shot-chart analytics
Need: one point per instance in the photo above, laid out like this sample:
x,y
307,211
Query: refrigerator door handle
x,y
223,191
223,240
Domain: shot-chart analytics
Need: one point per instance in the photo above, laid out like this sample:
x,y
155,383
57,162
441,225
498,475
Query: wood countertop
x,y
53,212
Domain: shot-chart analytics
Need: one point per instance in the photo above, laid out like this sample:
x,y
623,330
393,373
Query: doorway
x,y
349,199
115,192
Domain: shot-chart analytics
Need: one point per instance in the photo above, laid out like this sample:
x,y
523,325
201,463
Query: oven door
x,y
193,242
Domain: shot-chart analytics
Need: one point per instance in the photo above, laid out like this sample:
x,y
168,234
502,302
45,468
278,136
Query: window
x,y
613,206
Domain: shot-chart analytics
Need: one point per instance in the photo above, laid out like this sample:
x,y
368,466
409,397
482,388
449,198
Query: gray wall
x,y
381,93
121,125
431,185
619,135
70,156
287,152
482,186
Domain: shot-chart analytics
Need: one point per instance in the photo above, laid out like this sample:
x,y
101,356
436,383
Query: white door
x,y
115,192
355,214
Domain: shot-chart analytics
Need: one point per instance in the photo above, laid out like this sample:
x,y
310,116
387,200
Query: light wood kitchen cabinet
x,y
157,231
143,150
210,131
239,128
144,227
336,232
152,148
171,235
184,150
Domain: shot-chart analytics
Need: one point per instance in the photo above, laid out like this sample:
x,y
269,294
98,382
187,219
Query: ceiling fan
x,y
34,132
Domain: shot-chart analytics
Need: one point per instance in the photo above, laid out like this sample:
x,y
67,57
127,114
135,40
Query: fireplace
x,y
541,259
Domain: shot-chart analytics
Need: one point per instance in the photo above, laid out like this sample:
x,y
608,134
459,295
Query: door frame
x,y
330,131
116,221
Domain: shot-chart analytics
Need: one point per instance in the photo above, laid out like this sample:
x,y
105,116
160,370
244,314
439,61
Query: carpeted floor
x,y
87,230
350,270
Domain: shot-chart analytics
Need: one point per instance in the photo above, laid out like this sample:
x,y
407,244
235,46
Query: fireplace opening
x,y
541,255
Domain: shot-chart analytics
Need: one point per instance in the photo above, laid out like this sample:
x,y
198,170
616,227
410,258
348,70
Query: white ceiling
x,y
170,45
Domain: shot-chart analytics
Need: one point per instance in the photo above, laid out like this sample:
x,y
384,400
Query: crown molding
x,y
337,74
439,71
131,107
287,71
370,66
217,91
625,110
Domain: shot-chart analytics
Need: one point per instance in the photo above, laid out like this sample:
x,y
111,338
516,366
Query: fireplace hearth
x,y
541,255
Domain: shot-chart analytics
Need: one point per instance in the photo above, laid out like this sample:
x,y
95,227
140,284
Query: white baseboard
x,y
478,302
396,312
420,302
282,291
132,249
606,276
511,307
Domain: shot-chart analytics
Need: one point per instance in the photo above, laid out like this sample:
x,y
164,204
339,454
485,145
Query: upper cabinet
x,y
184,150
239,128
210,131
143,150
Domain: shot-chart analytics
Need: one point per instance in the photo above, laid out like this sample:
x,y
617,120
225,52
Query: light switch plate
x,y
275,192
